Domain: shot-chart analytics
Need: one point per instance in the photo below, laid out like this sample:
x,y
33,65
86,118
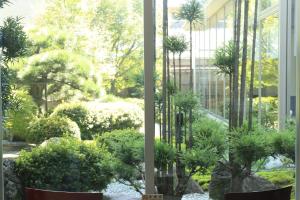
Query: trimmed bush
x,y
19,116
209,133
107,117
43,129
128,147
66,165
284,144
78,113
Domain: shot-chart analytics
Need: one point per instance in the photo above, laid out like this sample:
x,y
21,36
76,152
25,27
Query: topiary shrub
x,y
107,117
42,129
66,165
78,113
19,116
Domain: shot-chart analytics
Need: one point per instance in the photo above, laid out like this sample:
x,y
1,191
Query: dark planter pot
x,y
153,197
165,185
167,197
36,194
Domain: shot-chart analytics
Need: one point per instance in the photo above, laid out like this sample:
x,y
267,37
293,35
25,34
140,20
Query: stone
x,y
193,187
12,184
220,181
255,183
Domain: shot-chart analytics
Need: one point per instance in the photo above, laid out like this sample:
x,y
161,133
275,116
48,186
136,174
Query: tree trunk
x,y
174,70
46,96
180,72
191,86
235,96
244,64
164,81
235,88
252,68
230,102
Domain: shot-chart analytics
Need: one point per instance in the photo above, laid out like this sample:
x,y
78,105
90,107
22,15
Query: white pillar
x,y
149,49
297,22
1,141
282,87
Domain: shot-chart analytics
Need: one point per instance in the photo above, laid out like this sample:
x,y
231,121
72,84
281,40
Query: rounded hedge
x,y
78,113
42,129
66,164
107,117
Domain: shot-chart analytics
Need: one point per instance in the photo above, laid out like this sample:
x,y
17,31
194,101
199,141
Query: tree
x,y
224,60
119,25
48,74
191,12
164,73
244,63
182,48
235,84
252,67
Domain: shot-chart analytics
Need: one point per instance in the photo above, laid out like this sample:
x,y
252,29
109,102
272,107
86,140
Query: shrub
x,y
208,133
19,116
66,165
251,147
78,113
164,154
284,144
127,146
107,117
45,128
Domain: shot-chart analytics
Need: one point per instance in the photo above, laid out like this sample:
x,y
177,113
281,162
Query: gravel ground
x,y
117,191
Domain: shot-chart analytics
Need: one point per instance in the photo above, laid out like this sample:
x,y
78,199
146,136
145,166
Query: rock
x,y
12,184
255,184
220,182
193,187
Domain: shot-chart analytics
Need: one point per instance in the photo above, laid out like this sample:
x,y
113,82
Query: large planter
x,y
36,194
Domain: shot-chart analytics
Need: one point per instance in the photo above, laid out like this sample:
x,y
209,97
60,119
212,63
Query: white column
x,y
149,49
297,22
1,140
282,88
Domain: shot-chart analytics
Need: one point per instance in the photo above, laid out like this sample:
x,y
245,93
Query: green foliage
x,y
114,116
66,165
249,147
208,133
176,44
13,38
128,147
78,113
19,116
119,24
279,178
284,143
203,180
42,129
225,58
185,100
192,11
269,110
3,2
52,70
164,154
